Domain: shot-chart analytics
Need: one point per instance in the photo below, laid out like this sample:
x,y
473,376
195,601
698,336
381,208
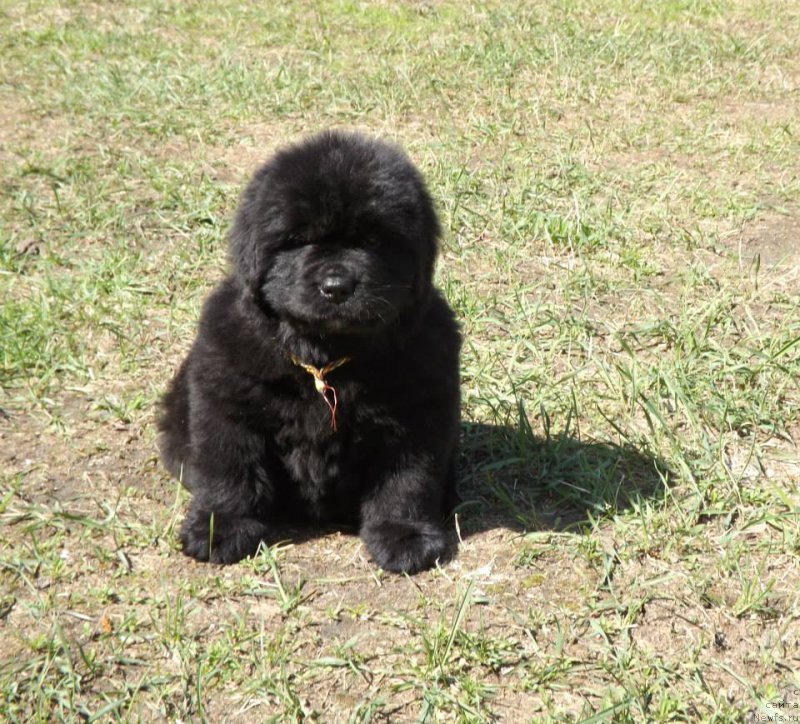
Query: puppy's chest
x,y
311,433
324,444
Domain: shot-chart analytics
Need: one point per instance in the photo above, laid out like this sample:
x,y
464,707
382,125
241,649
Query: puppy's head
x,y
336,235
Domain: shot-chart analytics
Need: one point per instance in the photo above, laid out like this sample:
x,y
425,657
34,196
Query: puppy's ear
x,y
244,250
428,230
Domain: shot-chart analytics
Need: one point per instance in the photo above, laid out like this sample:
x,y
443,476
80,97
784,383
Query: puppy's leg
x,y
233,494
401,520
220,538
407,546
210,533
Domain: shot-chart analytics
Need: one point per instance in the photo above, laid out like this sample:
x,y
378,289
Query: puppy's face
x,y
341,280
337,235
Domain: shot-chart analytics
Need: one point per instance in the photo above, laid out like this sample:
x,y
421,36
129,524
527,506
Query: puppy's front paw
x,y
220,539
407,546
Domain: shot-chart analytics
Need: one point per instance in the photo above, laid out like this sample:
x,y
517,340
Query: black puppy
x,y
323,382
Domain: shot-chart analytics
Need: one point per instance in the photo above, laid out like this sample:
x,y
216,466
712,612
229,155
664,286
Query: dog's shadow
x,y
512,479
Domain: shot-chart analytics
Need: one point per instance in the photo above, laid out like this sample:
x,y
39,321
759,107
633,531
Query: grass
x,y
618,188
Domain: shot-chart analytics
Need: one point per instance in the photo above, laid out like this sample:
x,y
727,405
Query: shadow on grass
x,y
513,479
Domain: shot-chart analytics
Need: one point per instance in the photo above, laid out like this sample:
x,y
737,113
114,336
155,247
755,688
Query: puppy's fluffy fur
x,y
332,251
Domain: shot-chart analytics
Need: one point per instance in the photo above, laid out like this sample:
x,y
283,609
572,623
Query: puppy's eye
x,y
371,242
293,241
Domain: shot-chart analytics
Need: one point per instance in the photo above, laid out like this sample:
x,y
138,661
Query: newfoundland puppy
x,y
323,383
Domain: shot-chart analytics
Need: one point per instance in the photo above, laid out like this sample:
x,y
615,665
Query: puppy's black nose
x,y
336,288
